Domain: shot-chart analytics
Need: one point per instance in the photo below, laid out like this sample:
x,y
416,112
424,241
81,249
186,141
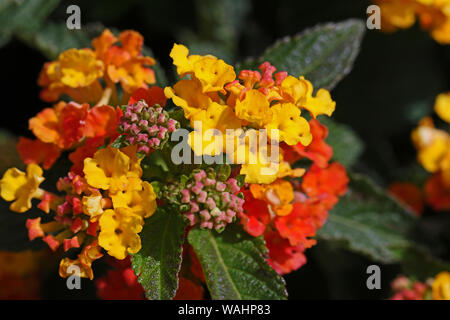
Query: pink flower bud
x,y
202,197
186,196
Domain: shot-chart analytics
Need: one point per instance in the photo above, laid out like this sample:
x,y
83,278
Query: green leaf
x,y
219,25
323,55
234,265
347,146
368,221
158,262
23,15
54,38
120,142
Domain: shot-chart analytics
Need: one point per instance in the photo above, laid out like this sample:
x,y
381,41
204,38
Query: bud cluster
x,y
207,198
145,126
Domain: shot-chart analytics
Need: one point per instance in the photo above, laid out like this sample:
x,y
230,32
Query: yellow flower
x,y
119,230
22,187
108,170
295,90
442,106
396,14
215,120
83,264
321,103
217,116
441,286
142,202
292,128
92,205
75,68
433,15
259,165
254,108
213,73
432,144
68,267
279,194
188,95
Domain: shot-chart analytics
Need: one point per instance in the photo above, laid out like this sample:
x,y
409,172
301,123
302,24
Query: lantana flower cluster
x,y
433,15
214,97
113,123
433,153
437,288
288,213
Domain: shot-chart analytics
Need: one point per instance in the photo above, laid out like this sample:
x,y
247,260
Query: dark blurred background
x,y
392,86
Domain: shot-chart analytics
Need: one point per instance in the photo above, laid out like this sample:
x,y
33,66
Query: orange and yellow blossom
x,y
441,286
433,148
215,98
124,63
77,72
433,15
21,187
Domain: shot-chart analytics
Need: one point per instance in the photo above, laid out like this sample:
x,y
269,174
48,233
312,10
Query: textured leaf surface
x,y
54,38
234,265
323,54
23,15
158,262
370,222
347,146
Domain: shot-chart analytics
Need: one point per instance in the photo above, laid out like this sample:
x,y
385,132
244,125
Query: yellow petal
x,y
442,106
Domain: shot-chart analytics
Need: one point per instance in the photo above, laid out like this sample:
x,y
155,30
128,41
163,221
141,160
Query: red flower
x,y
326,183
318,150
120,283
297,226
38,152
255,216
151,96
188,290
102,121
408,194
283,257
437,194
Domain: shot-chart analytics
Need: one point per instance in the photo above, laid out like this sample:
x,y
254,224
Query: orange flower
x,y
124,63
75,73
255,216
87,150
297,226
326,183
151,96
283,257
62,125
318,150
437,194
38,152
408,194
278,195
102,121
